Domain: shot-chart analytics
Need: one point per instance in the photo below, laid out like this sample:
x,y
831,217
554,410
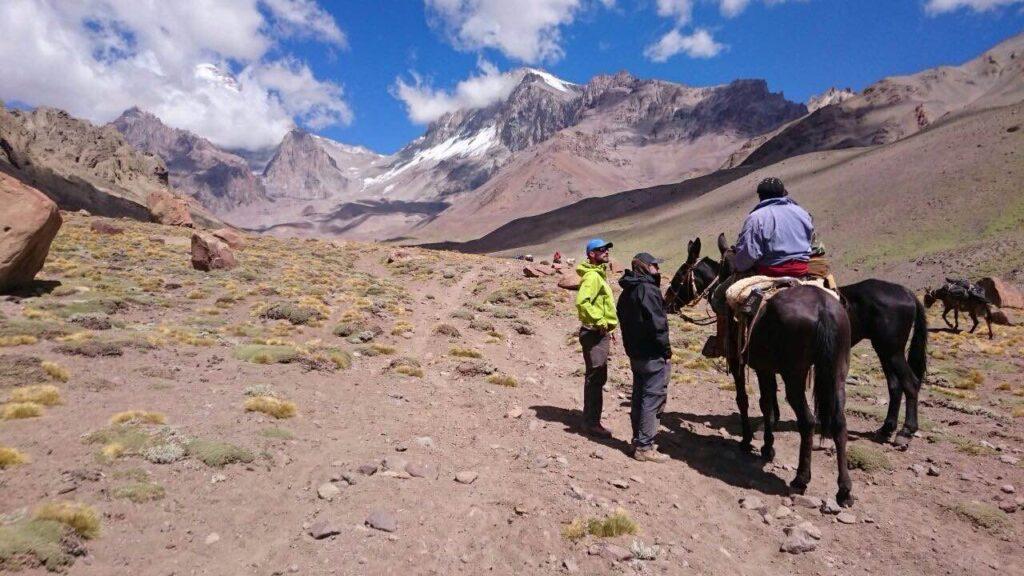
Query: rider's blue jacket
x,y
777,230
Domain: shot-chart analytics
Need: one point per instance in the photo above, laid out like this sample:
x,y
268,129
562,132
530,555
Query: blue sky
x,y
800,48
334,66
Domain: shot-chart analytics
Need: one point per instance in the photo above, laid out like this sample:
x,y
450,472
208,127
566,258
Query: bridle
x,y
691,281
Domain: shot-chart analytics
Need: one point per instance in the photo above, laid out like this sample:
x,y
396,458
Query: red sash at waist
x,y
794,268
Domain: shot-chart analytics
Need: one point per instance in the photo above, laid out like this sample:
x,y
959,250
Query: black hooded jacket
x,y
641,312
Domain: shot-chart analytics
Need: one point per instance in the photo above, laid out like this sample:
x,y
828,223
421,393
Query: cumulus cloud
x,y
201,65
424,103
679,10
700,44
526,30
934,7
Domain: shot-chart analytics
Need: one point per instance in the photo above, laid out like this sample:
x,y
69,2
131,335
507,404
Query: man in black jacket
x,y
644,327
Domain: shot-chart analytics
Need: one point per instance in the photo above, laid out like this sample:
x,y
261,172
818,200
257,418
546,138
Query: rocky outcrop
x,y
28,223
1002,293
302,169
169,209
209,253
81,166
219,180
896,107
233,238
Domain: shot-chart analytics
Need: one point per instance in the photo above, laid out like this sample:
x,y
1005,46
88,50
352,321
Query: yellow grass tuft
x,y
11,457
464,353
140,416
611,526
1018,411
502,380
81,518
271,406
19,410
112,451
18,340
42,394
56,371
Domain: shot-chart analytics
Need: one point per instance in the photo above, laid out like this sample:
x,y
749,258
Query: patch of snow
x,y
552,80
456,146
214,75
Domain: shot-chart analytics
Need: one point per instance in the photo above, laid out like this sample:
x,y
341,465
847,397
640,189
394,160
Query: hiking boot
x,y
650,455
597,430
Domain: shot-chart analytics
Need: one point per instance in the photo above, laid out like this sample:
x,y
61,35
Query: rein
x,y
709,318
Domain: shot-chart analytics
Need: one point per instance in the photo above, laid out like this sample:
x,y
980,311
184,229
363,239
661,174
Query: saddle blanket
x,y
736,294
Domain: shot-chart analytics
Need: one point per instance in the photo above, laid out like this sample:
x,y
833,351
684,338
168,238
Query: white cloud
x,y
95,58
731,8
425,103
942,6
526,30
679,10
700,44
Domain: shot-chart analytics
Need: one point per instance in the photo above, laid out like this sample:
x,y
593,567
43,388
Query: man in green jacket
x,y
596,308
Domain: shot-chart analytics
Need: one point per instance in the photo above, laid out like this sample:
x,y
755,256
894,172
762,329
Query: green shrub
x,y
218,454
139,492
266,354
866,458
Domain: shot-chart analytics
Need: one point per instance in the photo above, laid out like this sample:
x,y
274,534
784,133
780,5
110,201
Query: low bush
x,y
28,543
55,371
982,515
139,492
502,380
218,454
138,416
271,406
294,313
464,353
81,518
11,457
20,410
42,394
866,458
266,354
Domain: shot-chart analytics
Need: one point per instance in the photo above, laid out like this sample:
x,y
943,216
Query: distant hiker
x,y
557,258
596,309
775,241
644,325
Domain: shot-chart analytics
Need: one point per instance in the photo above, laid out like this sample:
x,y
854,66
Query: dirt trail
x,y
535,472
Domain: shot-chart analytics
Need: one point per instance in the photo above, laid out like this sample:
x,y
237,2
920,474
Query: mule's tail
x,y
917,356
826,349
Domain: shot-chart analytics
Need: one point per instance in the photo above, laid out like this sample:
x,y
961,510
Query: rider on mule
x,y
775,241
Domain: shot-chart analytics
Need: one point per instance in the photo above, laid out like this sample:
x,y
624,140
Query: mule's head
x,y
929,298
681,290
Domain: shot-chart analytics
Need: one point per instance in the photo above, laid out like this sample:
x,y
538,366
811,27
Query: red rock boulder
x,y
209,253
168,208
1002,293
28,223
233,238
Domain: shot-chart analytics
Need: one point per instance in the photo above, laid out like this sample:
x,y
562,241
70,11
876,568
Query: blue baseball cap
x,y
597,244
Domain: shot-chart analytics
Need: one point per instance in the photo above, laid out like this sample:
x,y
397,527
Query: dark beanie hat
x,y
771,188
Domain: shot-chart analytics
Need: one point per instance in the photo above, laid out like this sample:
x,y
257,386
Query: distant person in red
x,y
557,258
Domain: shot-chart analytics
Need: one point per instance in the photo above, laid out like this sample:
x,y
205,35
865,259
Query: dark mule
x,y
886,314
973,307
800,327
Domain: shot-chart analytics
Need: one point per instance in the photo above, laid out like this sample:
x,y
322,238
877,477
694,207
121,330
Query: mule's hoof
x,y
845,500
746,447
797,487
768,453
885,433
902,441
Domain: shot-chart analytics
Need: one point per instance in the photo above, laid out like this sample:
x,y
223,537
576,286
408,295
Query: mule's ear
x,y
692,251
723,244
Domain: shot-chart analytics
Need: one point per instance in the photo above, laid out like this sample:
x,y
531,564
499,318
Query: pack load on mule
x,y
961,296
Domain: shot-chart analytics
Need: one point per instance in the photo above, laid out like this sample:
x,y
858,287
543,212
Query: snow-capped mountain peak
x,y
214,75
551,80
831,96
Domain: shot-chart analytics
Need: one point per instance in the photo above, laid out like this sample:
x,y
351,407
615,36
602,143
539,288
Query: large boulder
x,y
209,253
28,223
233,238
169,208
1002,293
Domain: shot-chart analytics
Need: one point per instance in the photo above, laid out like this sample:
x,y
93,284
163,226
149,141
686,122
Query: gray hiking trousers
x,y
650,390
596,345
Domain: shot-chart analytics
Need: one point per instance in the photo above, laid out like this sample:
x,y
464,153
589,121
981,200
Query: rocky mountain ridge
x,y
85,167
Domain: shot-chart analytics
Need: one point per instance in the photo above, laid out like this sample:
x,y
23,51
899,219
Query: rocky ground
x,y
323,410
